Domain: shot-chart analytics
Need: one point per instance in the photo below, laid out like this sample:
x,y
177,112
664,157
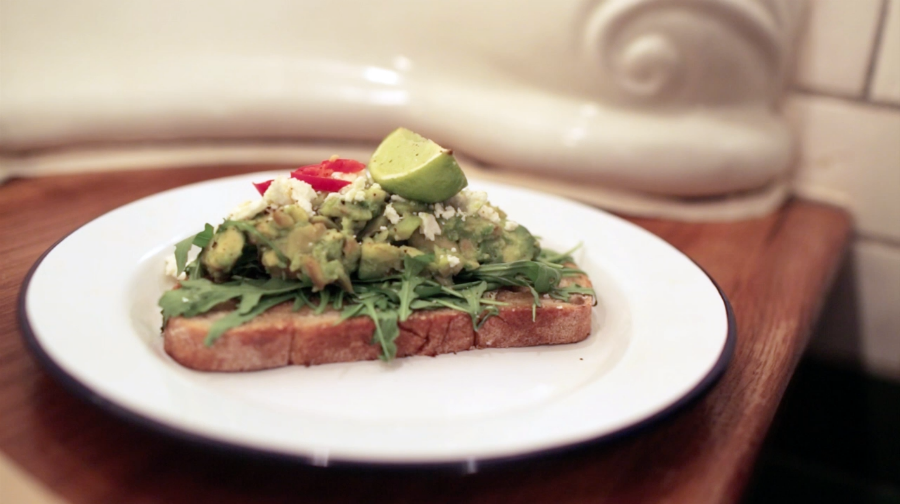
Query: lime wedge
x,y
414,167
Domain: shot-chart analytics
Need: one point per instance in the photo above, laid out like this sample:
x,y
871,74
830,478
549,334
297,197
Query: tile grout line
x,y
876,48
812,93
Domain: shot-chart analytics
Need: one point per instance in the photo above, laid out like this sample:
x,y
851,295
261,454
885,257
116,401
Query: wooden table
x,y
775,270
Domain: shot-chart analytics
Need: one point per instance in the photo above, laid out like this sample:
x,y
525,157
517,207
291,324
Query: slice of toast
x,y
280,336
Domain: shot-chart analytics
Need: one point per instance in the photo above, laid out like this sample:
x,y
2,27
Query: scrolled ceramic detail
x,y
648,66
657,50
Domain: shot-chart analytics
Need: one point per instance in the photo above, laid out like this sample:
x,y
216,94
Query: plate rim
x,y
465,465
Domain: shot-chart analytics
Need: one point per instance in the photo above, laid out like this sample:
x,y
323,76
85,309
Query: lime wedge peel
x,y
414,167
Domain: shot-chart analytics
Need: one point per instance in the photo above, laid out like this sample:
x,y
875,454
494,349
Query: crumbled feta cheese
x,y
303,194
476,199
453,249
391,213
452,260
394,197
510,225
356,191
444,211
279,192
247,209
468,202
383,228
349,177
430,227
287,191
488,213
172,268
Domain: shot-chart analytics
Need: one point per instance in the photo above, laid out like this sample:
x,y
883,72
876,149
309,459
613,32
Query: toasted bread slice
x,y
280,336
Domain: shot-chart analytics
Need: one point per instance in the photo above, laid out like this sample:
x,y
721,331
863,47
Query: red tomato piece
x,y
318,183
262,186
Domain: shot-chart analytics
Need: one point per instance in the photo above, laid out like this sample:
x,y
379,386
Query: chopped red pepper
x,y
319,175
344,165
315,170
262,186
326,184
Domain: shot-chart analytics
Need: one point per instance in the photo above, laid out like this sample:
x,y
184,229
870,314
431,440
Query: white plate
x,y
662,334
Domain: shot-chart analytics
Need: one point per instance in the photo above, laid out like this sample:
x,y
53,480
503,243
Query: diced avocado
x,y
480,229
267,229
445,264
282,219
374,226
409,207
351,254
354,210
298,214
355,231
319,259
329,246
301,240
271,262
406,227
519,244
411,251
378,260
222,252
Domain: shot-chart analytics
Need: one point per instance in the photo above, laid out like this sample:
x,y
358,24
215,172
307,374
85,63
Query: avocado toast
x,y
329,266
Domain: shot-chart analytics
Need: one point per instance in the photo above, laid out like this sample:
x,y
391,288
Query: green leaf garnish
x,y
182,248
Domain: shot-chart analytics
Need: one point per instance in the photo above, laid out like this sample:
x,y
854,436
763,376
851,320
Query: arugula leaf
x,y
200,296
181,253
324,295
300,300
411,279
182,248
248,302
553,257
203,238
386,330
236,318
338,300
194,269
490,311
350,311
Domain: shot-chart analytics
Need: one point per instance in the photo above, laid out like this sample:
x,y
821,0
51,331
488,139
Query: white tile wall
x,y
837,46
850,155
878,291
886,79
860,321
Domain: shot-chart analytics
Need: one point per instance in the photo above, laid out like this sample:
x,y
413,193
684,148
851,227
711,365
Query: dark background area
x,y
835,439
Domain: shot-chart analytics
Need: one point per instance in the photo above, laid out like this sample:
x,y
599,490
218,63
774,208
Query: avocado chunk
x,y
222,252
406,227
519,244
378,260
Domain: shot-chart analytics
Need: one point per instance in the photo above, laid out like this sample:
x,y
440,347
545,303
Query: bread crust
x,y
281,337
